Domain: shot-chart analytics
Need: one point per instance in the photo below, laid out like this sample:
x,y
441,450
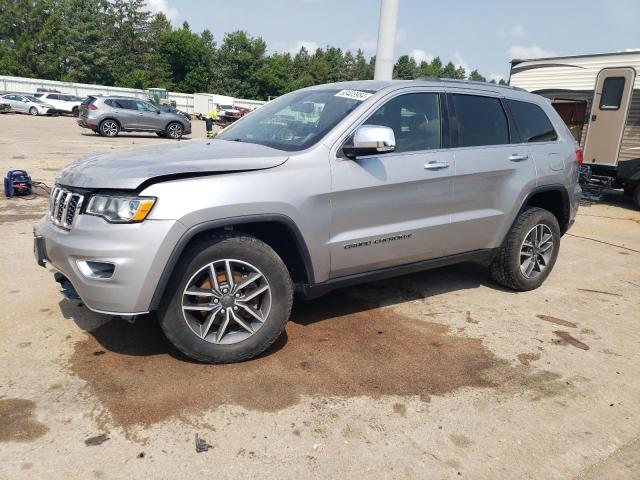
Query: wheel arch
x,y
555,199
278,231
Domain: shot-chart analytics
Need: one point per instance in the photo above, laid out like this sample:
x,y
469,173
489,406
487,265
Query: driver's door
x,y
394,208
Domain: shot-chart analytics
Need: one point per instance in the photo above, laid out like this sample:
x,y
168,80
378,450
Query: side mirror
x,y
370,140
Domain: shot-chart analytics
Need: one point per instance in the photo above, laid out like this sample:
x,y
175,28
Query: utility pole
x,y
386,39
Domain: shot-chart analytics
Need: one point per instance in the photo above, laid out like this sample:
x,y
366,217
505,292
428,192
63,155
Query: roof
x,y
377,85
515,61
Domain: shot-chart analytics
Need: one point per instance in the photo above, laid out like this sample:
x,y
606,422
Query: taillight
x,y
90,106
579,157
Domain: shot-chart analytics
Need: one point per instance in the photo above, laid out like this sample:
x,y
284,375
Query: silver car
x,y
321,188
110,115
25,103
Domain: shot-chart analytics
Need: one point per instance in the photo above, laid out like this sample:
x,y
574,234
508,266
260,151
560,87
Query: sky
x,y
482,34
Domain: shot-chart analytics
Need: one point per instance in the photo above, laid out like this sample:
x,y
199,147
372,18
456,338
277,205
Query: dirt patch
x,y
18,218
527,358
567,339
97,440
17,422
460,440
557,321
337,346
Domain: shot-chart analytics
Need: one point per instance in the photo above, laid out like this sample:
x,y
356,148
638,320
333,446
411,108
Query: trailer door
x,y
608,115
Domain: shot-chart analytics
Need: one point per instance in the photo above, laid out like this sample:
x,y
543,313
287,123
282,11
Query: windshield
x,y
295,121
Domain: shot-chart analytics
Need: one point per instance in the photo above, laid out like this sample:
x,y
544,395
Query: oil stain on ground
x,y
336,346
17,422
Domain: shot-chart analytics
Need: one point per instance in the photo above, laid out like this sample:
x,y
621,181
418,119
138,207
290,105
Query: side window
x,y
480,121
108,101
414,119
612,90
532,123
146,107
126,104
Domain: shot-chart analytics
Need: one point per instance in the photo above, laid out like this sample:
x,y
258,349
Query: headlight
x,y
120,209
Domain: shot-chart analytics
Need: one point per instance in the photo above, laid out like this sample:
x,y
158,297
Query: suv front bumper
x,y
138,253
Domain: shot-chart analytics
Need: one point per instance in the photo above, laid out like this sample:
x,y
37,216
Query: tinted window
x,y
126,104
38,95
480,121
414,119
90,100
612,90
532,123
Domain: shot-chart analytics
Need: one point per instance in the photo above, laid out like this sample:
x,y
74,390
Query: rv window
x,y
480,121
612,90
532,123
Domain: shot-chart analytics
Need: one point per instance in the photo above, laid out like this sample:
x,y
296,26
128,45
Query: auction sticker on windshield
x,y
354,94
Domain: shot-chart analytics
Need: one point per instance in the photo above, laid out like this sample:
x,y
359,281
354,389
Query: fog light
x,y
93,269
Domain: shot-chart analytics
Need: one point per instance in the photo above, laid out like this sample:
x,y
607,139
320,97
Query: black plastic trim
x,y
554,187
230,222
319,289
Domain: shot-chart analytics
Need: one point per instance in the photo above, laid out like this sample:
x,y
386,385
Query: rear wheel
x,y
174,130
636,196
109,128
33,111
75,111
529,252
229,302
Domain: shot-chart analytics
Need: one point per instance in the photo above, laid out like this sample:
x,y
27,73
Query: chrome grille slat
x,y
64,207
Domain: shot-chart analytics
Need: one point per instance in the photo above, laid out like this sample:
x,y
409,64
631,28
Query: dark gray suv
x,y
110,115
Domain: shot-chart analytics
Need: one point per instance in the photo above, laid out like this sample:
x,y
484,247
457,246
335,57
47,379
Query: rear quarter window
x,y
532,122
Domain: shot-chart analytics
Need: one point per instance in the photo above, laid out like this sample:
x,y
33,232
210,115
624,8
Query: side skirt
x,y
316,290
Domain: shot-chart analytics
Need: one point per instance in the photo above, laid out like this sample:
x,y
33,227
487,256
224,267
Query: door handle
x,y
518,158
434,165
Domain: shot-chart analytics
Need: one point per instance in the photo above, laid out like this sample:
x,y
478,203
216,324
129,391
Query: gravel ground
x,y
440,374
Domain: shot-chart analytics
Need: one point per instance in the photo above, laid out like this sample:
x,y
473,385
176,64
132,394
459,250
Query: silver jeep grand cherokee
x,y
322,188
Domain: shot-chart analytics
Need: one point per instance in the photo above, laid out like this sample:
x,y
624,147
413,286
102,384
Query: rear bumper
x,y
86,124
138,253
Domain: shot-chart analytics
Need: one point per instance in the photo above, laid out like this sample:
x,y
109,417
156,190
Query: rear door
x,y
491,174
608,115
393,209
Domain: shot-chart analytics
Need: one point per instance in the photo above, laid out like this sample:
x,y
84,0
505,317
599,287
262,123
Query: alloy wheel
x,y
226,301
174,130
110,128
33,111
536,251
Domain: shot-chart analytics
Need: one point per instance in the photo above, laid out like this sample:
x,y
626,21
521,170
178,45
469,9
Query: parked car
x,y
109,115
23,103
323,187
170,109
62,102
228,114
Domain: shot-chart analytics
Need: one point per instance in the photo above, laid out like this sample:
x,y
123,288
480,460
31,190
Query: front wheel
x,y
33,111
174,130
229,302
529,252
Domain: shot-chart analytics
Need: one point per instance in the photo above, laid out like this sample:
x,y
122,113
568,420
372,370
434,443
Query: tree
x,y
433,69
236,62
475,76
274,78
405,68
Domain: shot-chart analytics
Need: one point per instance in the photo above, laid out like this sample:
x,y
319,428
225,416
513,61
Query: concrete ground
x,y
435,375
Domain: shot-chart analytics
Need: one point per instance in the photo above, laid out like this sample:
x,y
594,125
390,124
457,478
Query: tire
x,y
507,269
109,128
636,196
174,130
75,111
33,111
187,329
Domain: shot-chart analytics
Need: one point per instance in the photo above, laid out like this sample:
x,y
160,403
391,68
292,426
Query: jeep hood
x,y
129,169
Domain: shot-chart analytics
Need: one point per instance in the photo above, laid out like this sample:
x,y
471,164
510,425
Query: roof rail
x,y
469,82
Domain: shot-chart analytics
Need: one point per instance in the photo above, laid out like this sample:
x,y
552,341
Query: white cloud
x,y
458,61
522,52
421,56
295,47
496,76
156,6
515,31
366,42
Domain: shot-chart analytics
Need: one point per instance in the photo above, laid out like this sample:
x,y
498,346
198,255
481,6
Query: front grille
x,y
64,207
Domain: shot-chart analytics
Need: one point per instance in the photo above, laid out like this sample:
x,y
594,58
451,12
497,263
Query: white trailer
x,y
203,102
598,97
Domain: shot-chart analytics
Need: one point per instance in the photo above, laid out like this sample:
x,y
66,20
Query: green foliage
x,y
119,42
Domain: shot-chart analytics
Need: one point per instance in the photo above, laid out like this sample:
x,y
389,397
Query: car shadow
x,y
615,198
145,338
125,135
